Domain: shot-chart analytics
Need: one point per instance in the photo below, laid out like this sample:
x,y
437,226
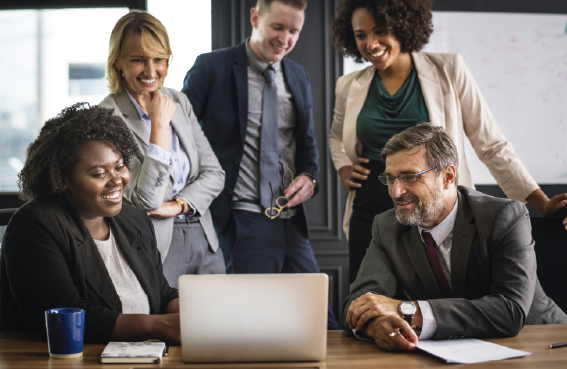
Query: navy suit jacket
x,y
217,87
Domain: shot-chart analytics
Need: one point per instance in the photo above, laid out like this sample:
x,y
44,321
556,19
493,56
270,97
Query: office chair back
x,y
5,216
551,251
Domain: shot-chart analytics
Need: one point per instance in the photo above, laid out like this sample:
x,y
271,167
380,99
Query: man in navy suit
x,y
227,89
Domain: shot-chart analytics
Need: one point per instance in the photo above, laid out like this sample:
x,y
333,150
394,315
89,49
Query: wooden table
x,y
22,350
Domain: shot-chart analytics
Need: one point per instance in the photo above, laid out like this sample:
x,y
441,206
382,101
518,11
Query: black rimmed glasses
x,y
404,178
281,202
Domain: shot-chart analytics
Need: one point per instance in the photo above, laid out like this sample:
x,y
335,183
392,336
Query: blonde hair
x,y
153,40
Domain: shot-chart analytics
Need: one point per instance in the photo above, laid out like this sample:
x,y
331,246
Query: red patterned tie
x,y
433,256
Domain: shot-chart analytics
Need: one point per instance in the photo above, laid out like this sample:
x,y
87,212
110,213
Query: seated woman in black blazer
x,y
75,244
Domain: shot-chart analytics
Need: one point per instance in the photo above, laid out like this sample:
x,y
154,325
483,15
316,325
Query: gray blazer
x,y
206,177
493,270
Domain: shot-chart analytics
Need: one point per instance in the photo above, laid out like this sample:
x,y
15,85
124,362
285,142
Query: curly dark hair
x,y
408,20
56,150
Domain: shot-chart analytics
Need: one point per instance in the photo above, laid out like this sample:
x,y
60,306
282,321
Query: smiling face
x,y
374,43
426,202
141,71
95,185
275,32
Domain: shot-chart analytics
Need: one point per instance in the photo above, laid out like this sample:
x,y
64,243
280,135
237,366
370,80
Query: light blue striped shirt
x,y
177,156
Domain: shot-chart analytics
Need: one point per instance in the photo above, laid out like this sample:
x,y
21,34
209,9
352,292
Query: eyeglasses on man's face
x,y
408,178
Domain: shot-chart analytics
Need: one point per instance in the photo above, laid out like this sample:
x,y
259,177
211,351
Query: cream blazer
x,y
455,103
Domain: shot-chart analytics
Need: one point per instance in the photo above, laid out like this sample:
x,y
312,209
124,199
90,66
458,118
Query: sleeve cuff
x,y
359,335
157,153
193,209
429,327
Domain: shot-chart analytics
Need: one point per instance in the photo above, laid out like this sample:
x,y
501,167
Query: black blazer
x,y
217,87
49,260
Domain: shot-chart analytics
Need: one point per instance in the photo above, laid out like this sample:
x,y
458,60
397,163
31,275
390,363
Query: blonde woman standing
x,y
175,175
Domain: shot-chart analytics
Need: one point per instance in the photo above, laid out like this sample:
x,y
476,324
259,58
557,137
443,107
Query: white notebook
x,y
133,352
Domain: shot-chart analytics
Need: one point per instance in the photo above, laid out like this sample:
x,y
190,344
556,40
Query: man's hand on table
x,y
369,306
391,332
379,317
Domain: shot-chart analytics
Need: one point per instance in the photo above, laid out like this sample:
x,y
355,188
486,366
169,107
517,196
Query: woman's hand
x,y
141,327
554,208
166,210
168,328
349,173
160,110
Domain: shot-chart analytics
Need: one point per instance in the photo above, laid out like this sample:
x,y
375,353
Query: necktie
x,y
269,167
433,255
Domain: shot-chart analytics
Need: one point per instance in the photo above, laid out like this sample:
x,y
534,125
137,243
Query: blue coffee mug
x,y
65,331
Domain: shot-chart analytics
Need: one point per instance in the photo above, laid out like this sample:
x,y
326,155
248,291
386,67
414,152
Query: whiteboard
x,y
519,62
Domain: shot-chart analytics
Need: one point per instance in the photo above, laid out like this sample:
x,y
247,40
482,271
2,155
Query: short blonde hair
x,y
153,39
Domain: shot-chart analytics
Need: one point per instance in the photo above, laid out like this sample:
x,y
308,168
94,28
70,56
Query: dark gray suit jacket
x,y
49,260
493,270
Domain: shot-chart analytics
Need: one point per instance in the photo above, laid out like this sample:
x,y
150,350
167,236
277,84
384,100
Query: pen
x,y
557,345
166,350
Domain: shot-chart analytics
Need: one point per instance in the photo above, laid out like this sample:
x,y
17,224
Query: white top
x,y
134,299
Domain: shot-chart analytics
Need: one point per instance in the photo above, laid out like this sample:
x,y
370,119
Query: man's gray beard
x,y
424,214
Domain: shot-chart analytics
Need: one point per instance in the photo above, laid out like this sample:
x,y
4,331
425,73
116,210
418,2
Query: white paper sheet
x,y
469,351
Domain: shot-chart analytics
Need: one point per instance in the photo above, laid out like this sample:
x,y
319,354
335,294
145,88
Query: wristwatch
x,y
180,202
407,309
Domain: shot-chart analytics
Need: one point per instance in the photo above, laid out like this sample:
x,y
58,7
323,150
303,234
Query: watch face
x,y
407,308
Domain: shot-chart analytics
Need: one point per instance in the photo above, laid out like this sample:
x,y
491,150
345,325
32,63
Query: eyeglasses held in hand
x,y
281,202
404,178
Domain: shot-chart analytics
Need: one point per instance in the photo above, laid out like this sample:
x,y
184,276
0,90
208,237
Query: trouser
x,y
189,252
371,199
253,243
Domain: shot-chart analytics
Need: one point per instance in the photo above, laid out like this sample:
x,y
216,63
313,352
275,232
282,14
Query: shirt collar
x,y
443,229
142,113
256,64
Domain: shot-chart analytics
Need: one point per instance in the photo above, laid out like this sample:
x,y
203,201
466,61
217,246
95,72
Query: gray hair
x,y
440,151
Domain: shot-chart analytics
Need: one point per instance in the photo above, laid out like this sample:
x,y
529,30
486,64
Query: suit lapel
x,y
355,101
240,69
94,270
463,236
128,241
133,120
418,257
431,89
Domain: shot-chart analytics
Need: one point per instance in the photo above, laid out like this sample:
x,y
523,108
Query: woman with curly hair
x,y
175,173
401,88
75,244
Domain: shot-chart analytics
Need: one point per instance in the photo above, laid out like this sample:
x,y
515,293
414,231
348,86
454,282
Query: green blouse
x,y
382,115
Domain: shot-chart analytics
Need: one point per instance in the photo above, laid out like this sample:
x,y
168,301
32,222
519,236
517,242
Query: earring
x,y
122,74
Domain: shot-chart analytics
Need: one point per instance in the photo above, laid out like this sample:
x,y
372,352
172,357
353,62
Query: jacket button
x,y
236,161
158,184
161,174
160,179
230,191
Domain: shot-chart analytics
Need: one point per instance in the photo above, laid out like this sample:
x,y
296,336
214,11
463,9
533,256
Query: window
x,y
51,59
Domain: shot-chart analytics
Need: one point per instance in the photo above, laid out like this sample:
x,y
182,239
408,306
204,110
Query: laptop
x,y
253,317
